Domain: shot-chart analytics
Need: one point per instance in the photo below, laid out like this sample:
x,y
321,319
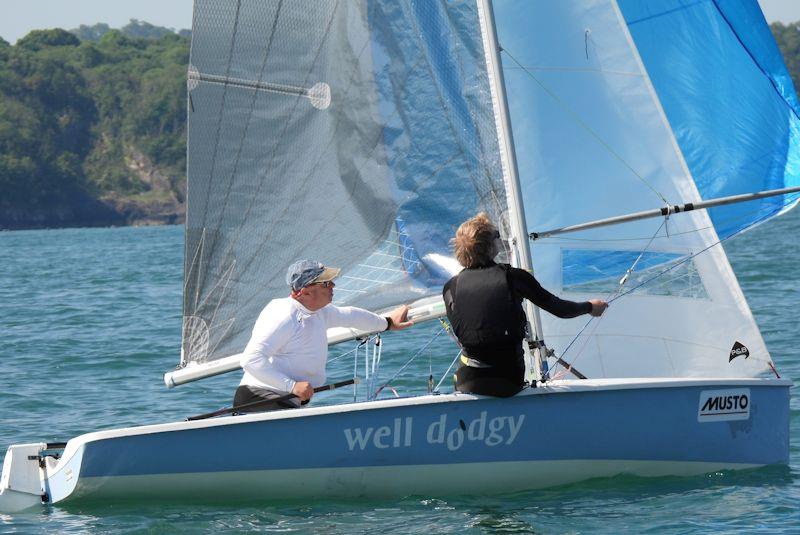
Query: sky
x,y
18,17
780,10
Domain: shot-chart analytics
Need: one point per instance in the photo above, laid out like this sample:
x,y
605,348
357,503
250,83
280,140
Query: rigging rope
x,y
585,126
360,343
610,296
377,349
673,266
458,355
402,368
691,256
355,371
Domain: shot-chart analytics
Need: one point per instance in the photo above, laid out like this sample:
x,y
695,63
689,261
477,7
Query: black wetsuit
x,y
484,306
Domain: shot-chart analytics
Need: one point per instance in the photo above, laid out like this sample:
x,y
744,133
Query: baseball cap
x,y
305,272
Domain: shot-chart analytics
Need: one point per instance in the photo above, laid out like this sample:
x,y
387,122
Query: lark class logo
x,y
724,405
739,349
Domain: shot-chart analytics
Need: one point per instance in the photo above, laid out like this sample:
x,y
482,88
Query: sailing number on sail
x,y
721,405
451,432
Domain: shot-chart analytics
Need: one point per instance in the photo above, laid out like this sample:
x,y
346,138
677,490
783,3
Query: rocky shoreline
x,y
89,212
159,204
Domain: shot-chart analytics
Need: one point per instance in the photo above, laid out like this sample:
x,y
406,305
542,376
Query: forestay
x,y
354,132
625,106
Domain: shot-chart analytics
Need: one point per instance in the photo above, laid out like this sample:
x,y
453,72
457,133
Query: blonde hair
x,y
474,243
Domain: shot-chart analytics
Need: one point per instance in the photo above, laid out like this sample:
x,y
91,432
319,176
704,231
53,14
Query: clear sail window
x,y
659,273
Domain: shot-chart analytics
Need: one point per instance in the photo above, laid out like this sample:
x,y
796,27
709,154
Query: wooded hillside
x,y
92,132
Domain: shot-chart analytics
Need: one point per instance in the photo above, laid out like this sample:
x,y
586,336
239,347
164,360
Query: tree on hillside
x,y
46,117
137,29
144,30
788,39
91,33
39,39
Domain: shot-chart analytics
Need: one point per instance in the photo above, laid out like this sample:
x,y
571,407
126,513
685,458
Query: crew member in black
x,y
484,306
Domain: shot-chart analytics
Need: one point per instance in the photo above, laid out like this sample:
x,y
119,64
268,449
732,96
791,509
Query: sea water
x,y
91,318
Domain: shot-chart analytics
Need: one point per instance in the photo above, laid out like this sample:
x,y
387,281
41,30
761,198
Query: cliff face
x,y
161,203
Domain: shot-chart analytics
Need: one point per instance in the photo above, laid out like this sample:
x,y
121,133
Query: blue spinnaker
x,y
727,96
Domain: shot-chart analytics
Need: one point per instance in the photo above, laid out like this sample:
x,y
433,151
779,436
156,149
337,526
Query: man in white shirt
x,y
288,349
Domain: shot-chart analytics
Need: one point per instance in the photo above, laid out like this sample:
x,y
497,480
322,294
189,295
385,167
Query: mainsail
x,y
625,106
357,133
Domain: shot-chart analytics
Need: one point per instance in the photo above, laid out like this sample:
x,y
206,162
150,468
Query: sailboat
x,y
614,142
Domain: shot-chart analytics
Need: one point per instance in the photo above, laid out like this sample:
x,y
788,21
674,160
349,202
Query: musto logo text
x,y
450,432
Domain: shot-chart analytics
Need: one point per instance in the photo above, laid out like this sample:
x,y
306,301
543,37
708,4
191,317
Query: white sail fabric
x,y
352,132
593,142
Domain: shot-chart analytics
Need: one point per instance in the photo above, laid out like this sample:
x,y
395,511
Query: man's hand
x,y
399,319
303,390
598,307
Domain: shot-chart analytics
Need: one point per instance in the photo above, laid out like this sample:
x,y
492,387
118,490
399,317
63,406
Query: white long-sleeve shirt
x,y
290,343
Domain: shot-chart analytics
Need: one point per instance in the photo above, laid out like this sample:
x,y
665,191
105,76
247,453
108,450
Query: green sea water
x,y
90,319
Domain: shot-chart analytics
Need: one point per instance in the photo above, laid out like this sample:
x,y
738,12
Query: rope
x,y
689,257
430,373
585,126
630,270
670,268
361,342
372,374
415,355
458,355
449,331
355,370
377,350
611,297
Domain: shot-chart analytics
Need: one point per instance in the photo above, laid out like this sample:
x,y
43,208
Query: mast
x,y
508,157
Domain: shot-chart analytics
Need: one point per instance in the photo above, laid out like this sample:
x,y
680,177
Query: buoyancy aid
x,y
483,311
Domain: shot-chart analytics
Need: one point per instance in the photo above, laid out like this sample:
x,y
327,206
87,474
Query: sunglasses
x,y
326,284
